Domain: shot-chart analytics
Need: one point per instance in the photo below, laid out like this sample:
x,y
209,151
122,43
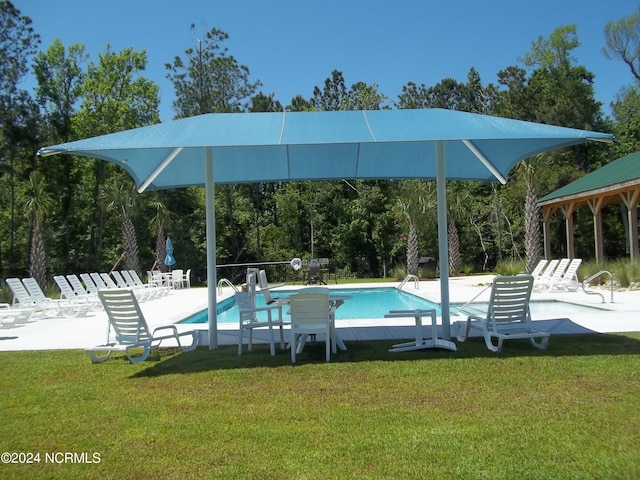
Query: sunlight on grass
x,y
568,412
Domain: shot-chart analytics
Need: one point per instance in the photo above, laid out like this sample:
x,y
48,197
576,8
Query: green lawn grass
x,y
571,412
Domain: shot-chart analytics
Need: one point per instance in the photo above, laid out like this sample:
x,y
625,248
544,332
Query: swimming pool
x,y
365,303
374,303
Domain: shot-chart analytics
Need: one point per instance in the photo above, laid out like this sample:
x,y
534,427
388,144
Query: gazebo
x,y
616,182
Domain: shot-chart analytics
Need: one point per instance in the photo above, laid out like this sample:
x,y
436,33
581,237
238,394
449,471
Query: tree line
x,y
66,214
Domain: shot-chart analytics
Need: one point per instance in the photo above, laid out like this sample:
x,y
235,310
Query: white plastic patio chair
x,y
251,319
177,278
508,316
310,315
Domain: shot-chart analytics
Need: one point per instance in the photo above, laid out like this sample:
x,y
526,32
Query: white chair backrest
x,y
538,269
548,272
65,289
572,269
97,279
34,290
509,301
560,269
125,316
120,280
309,308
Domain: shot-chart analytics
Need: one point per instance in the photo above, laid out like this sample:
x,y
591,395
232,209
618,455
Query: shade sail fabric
x,y
266,147
382,144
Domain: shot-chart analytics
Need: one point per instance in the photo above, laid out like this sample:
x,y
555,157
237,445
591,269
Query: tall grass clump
x,y
510,267
625,273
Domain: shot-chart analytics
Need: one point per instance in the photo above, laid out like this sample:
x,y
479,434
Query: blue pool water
x,y
365,303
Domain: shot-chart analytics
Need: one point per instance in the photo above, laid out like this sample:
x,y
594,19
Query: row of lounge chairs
x,y
556,275
88,285
78,296
30,302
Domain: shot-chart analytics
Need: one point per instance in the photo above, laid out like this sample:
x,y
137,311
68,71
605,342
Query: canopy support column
x,y
443,248
211,246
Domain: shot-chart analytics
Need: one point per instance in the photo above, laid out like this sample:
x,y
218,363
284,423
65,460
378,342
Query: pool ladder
x,y
407,278
224,281
585,284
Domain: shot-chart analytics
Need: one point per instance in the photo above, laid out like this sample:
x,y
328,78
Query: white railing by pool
x,y
224,281
407,278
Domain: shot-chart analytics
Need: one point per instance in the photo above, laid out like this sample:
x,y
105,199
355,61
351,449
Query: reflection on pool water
x,y
365,303
372,303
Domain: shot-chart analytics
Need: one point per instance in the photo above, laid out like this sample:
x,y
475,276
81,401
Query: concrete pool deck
x,y
76,333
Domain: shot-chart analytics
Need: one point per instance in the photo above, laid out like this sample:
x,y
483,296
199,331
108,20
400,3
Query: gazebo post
x,y
596,205
568,211
630,200
546,231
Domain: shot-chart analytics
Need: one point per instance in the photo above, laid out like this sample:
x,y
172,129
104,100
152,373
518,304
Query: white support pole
x,y
211,246
443,249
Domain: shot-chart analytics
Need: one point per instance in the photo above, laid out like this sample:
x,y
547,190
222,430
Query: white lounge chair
x,y
107,280
99,282
569,280
250,320
89,287
159,290
538,268
12,315
508,316
310,315
142,291
130,329
23,299
545,275
67,292
67,308
549,282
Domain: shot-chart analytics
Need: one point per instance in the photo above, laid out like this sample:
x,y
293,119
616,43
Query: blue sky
x,y
292,46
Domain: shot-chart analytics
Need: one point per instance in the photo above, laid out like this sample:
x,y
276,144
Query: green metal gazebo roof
x,y
622,172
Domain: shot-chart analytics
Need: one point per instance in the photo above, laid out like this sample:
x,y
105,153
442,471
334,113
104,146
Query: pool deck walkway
x,y
89,330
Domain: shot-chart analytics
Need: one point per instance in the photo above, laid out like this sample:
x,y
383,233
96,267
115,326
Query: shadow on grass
x,y
171,361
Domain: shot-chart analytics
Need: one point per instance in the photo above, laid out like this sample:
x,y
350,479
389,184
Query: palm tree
x,y
38,206
416,198
159,221
456,209
527,170
121,194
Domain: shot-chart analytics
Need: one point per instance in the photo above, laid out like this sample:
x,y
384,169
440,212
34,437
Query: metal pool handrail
x,y
224,281
585,284
407,278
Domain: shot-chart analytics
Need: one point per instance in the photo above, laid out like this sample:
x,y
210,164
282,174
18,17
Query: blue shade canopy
x,y
379,144
265,147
